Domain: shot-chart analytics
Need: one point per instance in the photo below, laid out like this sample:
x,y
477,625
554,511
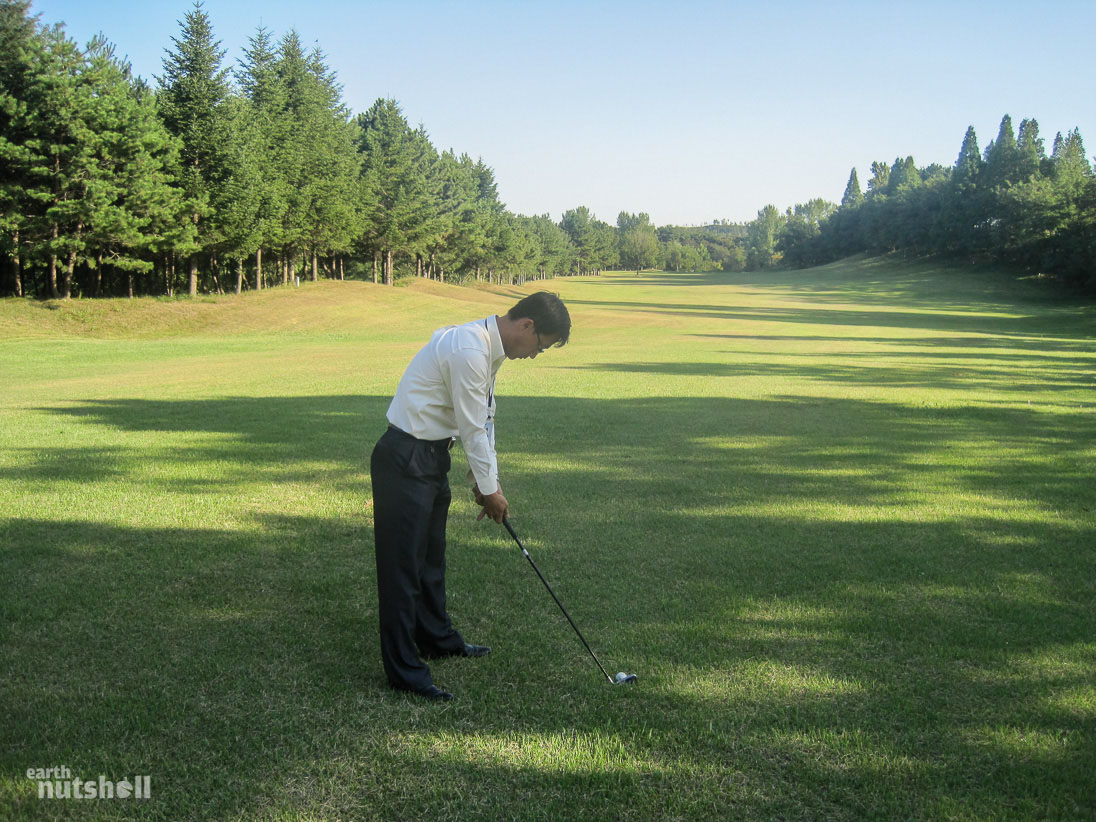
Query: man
x,y
447,391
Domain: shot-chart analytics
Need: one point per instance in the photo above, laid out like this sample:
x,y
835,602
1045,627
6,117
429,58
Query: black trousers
x,y
411,499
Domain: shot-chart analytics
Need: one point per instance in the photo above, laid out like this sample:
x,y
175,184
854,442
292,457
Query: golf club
x,y
621,678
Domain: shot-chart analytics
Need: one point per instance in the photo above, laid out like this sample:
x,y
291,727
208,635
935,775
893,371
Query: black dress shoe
x,y
435,693
476,650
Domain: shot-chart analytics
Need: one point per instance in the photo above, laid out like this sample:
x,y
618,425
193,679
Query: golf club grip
x,y
510,528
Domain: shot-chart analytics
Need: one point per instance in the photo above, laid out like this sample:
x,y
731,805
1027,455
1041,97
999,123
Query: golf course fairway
x,y
841,524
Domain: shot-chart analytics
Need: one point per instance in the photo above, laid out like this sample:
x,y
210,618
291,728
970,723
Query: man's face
x,y
529,342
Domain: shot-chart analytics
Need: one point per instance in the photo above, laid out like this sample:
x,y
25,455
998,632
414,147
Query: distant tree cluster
x,y
1011,204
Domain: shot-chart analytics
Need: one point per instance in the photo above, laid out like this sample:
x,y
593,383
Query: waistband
x,y
446,443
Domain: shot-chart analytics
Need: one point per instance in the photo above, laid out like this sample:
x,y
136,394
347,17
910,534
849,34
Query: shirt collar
x,y
498,353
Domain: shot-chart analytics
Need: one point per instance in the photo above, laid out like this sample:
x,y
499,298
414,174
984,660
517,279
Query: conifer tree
x,y
1072,210
396,189
1070,168
431,218
132,207
262,87
853,196
517,249
469,214
193,94
968,166
293,153
489,210
491,216
20,56
462,236
1032,154
962,213
238,200
1002,160
333,166
58,155
904,175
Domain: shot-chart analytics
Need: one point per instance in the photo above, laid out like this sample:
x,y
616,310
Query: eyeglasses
x,y
541,347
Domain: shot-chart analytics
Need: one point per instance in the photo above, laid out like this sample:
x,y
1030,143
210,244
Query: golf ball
x,y
621,675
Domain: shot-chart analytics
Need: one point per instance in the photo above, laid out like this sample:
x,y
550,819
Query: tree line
x,y
225,178
1013,204
229,178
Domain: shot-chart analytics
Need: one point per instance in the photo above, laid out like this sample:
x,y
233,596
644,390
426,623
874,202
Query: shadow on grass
x,y
1012,349
946,298
836,608
1068,321
283,439
889,280
920,370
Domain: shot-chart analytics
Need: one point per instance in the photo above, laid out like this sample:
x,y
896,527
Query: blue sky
x,y
690,111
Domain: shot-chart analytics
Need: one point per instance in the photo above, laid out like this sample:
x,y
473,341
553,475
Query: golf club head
x,y
624,679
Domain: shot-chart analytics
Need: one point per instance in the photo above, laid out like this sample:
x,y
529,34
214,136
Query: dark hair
x,y
548,313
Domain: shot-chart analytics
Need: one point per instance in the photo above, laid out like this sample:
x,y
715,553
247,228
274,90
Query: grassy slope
x,y
840,523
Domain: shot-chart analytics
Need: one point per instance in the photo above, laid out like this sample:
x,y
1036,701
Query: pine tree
x,y
431,219
132,206
1002,160
1032,154
293,154
904,175
58,155
490,217
517,250
853,196
962,214
20,55
968,166
1070,169
395,182
258,77
469,216
239,198
332,163
193,95
462,239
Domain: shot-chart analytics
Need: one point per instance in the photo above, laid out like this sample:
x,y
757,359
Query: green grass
x,y
840,523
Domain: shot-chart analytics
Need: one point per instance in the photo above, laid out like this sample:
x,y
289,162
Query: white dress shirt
x,y
448,390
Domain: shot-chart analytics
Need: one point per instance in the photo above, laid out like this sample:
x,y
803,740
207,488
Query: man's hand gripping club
x,y
494,505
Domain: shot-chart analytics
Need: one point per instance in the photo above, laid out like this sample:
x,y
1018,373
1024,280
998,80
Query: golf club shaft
x,y
510,528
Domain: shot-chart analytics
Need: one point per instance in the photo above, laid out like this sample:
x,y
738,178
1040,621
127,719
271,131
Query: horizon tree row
x,y
108,186
1012,204
220,179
